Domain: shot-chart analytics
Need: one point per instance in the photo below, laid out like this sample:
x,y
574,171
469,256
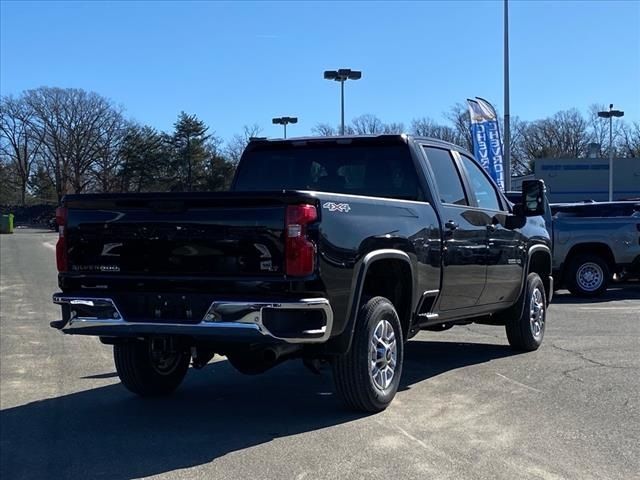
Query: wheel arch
x,y
539,260
600,249
377,275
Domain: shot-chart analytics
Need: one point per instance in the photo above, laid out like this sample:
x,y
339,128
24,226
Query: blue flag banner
x,y
487,143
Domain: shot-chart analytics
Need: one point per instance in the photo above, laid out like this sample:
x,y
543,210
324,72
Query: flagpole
x,y
507,116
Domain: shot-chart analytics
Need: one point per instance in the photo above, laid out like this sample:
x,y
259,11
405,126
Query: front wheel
x,y
149,372
368,375
526,331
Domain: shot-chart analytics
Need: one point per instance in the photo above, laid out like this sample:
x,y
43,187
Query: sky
x,y
241,63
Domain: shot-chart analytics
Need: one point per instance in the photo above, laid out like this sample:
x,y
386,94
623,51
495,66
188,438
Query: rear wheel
x,y
368,375
588,275
526,331
146,371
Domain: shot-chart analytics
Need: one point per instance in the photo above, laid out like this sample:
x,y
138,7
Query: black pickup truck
x,y
333,250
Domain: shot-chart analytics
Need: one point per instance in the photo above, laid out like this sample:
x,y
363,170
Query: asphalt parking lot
x,y
469,408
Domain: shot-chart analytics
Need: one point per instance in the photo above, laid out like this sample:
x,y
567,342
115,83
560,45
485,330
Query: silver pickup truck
x,y
592,242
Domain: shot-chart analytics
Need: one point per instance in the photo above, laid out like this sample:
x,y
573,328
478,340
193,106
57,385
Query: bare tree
x,y
599,128
47,107
393,128
108,160
563,135
367,124
324,130
75,127
629,145
459,117
521,164
239,142
9,193
363,125
18,141
426,127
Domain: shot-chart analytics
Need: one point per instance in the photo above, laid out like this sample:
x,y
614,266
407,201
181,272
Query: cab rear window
x,y
355,169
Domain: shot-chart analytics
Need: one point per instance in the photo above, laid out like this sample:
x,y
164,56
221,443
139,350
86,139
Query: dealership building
x,y
579,179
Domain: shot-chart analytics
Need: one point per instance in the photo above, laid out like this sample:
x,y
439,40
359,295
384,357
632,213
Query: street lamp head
x,y
342,74
284,120
611,113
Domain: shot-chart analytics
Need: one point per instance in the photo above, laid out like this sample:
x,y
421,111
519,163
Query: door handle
x,y
451,225
491,227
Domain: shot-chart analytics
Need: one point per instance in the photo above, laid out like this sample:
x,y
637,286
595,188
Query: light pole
x,y
610,114
507,115
342,75
284,121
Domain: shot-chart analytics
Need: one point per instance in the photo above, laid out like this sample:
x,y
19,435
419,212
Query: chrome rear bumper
x,y
224,319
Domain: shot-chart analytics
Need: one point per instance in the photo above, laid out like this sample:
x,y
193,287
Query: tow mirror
x,y
532,198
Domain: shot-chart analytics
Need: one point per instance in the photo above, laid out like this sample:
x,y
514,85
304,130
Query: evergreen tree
x,y
144,160
190,155
219,173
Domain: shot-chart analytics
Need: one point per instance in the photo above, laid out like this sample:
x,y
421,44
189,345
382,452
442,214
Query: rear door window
x,y
447,177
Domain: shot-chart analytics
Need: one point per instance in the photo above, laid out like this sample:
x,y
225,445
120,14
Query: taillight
x,y
299,250
61,246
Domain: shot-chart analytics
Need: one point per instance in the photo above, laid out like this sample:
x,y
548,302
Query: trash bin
x,y
6,223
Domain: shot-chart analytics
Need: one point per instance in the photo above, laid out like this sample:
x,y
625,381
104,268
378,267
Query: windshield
x,y
372,170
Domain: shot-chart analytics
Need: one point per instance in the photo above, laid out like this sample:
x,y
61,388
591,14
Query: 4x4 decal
x,y
337,207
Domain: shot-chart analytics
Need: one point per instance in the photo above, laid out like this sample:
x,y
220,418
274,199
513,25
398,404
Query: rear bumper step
x,y
307,320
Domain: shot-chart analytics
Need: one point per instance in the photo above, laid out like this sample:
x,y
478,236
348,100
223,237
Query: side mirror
x,y
533,198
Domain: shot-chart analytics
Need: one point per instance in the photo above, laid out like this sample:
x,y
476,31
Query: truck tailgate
x,y
226,234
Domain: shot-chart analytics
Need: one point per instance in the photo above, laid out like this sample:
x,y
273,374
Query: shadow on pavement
x,y
100,375
616,292
424,360
107,432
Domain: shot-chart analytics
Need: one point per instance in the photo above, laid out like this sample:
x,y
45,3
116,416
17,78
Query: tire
x,y
525,330
588,275
359,386
144,376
